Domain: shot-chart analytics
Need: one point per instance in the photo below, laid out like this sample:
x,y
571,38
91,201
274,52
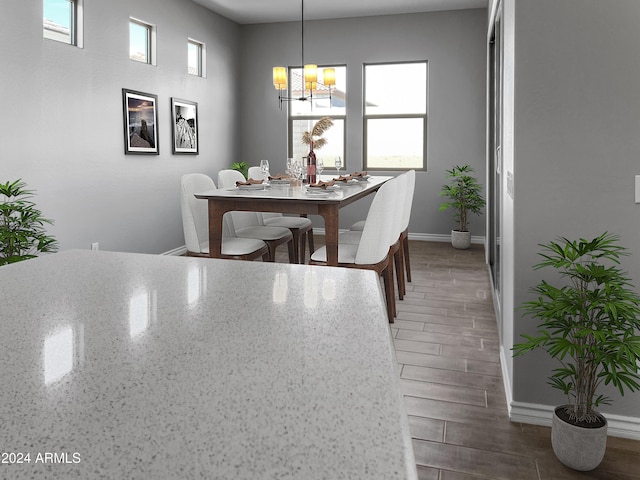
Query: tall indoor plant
x,y
465,197
22,226
590,325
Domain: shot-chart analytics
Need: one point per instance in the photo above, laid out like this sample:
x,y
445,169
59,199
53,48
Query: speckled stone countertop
x,y
129,366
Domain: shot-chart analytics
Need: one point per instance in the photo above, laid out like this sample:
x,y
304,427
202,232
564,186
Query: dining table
x,y
286,199
136,366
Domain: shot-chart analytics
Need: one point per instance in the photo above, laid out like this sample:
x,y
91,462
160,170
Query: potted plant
x,y
242,167
22,232
465,197
590,325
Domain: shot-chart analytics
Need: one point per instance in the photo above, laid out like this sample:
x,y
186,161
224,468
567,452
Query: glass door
x,y
495,157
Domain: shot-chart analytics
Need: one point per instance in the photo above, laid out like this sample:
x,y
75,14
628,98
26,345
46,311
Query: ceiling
x,y
268,11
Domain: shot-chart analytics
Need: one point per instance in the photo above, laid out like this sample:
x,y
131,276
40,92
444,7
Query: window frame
x,y
76,24
202,55
366,117
151,41
291,118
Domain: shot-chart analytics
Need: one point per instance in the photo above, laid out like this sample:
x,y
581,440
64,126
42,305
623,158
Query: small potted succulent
x,y
589,323
22,226
465,197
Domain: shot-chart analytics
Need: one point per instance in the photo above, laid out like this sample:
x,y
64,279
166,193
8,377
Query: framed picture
x,y
184,118
140,122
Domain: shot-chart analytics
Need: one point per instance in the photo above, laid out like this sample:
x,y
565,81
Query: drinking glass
x,y
338,164
289,170
264,169
319,167
296,171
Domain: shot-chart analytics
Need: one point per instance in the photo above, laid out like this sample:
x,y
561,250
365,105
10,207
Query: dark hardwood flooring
x,y
447,346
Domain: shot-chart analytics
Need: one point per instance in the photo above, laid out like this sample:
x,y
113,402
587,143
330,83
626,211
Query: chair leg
x,y
296,241
302,238
397,257
272,251
405,249
291,245
312,247
387,275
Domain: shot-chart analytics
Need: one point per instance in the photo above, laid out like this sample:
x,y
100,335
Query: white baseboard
x,y
424,237
619,425
536,414
176,251
436,237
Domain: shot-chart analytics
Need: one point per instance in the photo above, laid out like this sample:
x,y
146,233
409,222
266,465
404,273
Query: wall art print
x,y
184,117
140,122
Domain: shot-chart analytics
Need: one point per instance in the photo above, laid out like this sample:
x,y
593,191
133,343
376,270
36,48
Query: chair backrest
x,y
398,201
255,173
408,199
380,226
195,222
227,179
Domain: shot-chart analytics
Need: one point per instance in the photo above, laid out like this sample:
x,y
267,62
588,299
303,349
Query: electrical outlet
x,y
95,246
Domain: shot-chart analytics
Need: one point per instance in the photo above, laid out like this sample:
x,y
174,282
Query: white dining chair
x,y
404,223
195,223
249,224
372,251
301,227
401,249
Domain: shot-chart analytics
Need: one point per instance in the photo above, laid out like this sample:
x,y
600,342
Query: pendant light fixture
x,y
309,81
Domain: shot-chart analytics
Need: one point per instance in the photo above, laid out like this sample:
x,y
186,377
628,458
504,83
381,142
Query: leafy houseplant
x,y
22,226
465,197
589,324
242,167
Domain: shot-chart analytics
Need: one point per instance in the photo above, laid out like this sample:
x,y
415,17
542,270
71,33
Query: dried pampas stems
x,y
318,129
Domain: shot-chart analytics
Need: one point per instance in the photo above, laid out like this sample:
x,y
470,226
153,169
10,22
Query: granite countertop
x,y
132,366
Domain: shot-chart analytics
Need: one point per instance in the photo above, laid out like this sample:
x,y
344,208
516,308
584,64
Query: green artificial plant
x,y
22,226
242,167
464,193
589,323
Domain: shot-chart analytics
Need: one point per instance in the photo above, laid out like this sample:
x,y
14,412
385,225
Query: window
x,y
141,41
62,21
395,116
195,58
303,115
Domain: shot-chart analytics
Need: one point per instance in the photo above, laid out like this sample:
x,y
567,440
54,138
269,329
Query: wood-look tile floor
x,y
446,342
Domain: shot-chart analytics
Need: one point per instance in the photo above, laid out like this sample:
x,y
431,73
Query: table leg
x,y
330,215
216,211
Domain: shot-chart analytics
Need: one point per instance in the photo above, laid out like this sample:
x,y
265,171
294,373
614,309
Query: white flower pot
x,y
578,447
460,240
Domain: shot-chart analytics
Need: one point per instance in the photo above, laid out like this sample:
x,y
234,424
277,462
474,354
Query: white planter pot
x,y
460,240
577,447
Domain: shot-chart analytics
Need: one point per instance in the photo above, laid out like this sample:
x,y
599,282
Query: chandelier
x,y
309,81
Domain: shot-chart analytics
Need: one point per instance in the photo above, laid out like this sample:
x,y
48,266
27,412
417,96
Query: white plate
x,y
362,179
279,182
327,189
256,186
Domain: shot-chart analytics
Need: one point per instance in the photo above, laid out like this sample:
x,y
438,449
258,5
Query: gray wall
x,y
62,129
453,44
575,151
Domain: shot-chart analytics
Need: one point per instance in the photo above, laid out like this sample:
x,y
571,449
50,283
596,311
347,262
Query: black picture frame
x,y
184,127
140,112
